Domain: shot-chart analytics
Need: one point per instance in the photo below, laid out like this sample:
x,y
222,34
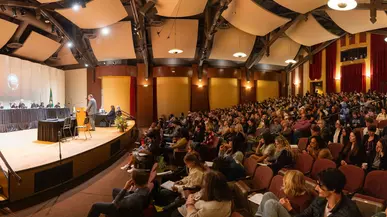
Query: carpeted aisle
x,y
77,202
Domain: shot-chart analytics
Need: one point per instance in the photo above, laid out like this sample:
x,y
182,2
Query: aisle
x,y
77,202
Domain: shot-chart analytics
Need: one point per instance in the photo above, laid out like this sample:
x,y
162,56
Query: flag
x,y
50,100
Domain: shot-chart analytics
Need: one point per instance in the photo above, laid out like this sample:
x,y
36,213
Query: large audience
x,y
208,151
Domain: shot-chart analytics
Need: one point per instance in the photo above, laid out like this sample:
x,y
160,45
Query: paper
x,y
256,198
165,173
208,163
261,164
294,146
142,154
168,185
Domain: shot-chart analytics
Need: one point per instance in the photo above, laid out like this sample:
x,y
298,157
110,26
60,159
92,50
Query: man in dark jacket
x,y
129,201
331,201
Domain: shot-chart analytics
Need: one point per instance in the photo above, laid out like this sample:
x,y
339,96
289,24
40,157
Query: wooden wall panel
x,y
223,73
116,70
269,76
223,92
172,71
248,94
144,99
363,37
94,86
116,91
267,89
173,95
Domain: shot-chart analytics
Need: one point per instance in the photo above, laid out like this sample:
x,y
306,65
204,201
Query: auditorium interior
x,y
193,108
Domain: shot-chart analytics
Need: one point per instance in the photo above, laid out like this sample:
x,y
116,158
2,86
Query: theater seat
x,y
302,143
250,165
374,194
260,182
320,165
304,163
355,178
211,152
276,186
335,149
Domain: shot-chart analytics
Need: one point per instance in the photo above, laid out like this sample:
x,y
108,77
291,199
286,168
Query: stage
x,y
37,162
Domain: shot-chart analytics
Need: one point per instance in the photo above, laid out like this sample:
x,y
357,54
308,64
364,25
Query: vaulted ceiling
x,y
208,31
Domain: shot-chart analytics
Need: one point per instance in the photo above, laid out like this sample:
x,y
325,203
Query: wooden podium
x,y
81,115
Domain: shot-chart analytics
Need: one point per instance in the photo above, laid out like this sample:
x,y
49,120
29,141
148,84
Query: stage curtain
x,y
378,62
315,68
353,78
133,95
331,55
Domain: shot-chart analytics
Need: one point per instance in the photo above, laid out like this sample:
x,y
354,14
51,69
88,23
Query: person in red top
x,y
209,137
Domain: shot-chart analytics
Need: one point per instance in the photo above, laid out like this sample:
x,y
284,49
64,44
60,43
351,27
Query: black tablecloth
x,y
22,119
101,120
48,129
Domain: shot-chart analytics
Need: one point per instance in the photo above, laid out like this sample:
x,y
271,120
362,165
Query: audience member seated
x,y
192,182
215,200
382,115
297,197
209,136
377,159
369,122
369,142
338,134
237,143
129,201
353,152
276,127
57,105
111,116
381,214
230,166
181,143
356,120
283,157
266,149
315,146
325,153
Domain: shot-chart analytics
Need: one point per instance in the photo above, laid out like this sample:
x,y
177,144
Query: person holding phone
x,y
129,201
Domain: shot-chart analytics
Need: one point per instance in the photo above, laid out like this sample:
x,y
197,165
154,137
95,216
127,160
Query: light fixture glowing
x,y
342,5
175,51
70,44
337,77
297,83
248,82
86,65
76,7
200,85
385,39
47,21
200,80
145,85
290,61
248,87
105,31
146,79
368,74
239,55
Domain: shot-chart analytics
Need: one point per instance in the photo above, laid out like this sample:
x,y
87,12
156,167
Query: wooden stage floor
x,y
23,150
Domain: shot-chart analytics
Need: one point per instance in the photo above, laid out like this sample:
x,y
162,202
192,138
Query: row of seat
x,y
369,192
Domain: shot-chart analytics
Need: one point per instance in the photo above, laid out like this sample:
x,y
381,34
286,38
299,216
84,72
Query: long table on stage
x,y
23,119
48,129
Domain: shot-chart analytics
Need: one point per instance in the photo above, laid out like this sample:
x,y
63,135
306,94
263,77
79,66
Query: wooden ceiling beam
x,y
254,59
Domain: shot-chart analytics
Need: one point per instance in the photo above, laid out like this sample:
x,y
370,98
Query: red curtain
x,y
133,96
315,68
331,54
353,78
378,62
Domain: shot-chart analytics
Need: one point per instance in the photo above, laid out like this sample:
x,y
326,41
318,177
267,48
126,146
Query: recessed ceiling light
x,y
239,55
342,5
47,21
175,51
70,44
86,65
105,31
76,7
290,61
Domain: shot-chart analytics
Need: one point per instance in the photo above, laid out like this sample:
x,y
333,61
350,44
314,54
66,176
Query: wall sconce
x,y
368,74
297,83
337,78
145,85
200,85
146,79
248,82
248,87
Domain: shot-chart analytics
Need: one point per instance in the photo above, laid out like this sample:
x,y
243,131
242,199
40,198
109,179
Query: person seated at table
x,y
129,201
111,116
50,104
57,105
1,105
34,105
13,105
118,111
22,105
41,105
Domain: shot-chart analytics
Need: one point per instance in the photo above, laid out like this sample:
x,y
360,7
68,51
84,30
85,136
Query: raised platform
x,y
37,162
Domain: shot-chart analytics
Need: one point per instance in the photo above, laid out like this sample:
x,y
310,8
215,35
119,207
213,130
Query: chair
x,y
66,126
302,143
276,186
320,165
85,126
335,149
375,193
250,165
382,124
304,163
261,181
211,152
355,178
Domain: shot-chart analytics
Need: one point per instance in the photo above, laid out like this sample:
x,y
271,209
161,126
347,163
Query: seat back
x,y
335,149
67,123
262,178
276,186
304,163
375,184
302,143
236,214
382,124
86,121
355,177
250,165
320,165
153,173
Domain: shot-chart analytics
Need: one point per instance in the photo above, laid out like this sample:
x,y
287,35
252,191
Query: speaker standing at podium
x,y
91,110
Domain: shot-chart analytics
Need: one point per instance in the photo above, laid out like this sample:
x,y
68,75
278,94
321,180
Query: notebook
x,y
256,198
168,185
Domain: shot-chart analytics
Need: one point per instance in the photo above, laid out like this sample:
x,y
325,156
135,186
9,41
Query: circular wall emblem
x,y
13,81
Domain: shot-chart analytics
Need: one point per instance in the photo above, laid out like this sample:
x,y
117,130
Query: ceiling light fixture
x,y
239,55
290,61
76,7
342,5
47,21
86,65
105,31
70,44
175,50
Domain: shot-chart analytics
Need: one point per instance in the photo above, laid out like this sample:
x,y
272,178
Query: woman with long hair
x,y
265,149
296,197
378,161
353,152
214,200
283,157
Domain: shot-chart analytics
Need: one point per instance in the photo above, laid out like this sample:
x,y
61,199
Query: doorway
x,y
316,87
